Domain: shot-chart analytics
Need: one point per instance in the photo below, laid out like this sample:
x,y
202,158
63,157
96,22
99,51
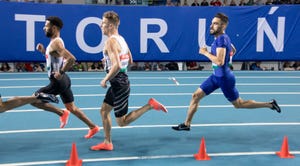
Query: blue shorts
x,y
226,83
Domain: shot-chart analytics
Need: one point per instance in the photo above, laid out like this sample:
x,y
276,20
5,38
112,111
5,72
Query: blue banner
x,y
260,33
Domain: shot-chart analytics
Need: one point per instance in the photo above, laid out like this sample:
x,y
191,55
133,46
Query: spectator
x,y
276,2
95,66
169,3
185,3
245,66
135,67
242,3
195,3
20,67
193,66
217,3
250,3
147,66
5,67
268,2
259,2
158,66
232,3
296,65
172,66
204,3
37,67
256,66
28,67
287,66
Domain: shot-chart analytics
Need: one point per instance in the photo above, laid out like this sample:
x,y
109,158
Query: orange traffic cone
x,y
74,160
284,152
202,155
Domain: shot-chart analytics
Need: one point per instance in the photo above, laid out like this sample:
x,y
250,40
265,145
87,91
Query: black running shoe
x,y
275,106
181,126
47,97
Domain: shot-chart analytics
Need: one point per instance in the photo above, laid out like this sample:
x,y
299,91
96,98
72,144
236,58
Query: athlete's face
x,y
48,29
105,26
216,26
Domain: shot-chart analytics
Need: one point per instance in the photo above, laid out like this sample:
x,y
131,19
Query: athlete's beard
x,y
49,34
215,32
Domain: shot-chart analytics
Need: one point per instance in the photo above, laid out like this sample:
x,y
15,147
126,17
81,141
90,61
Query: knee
x,y
121,124
196,96
237,106
73,109
122,121
35,104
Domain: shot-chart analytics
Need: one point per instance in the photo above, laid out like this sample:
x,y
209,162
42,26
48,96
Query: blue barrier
x,y
265,33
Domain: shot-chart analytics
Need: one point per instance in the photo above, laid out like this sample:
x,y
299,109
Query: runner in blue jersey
x,y
222,76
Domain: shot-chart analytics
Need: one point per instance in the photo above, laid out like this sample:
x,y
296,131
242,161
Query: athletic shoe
x,y
181,126
92,132
156,105
64,118
47,97
103,146
275,106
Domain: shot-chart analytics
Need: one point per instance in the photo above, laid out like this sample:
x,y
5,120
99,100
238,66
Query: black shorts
x,y
118,93
59,87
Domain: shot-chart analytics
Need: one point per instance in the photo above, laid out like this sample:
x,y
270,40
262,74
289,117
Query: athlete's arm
x,y
130,57
218,59
40,47
61,51
233,49
113,49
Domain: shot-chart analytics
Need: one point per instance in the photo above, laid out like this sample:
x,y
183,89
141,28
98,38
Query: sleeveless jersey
x,y
54,64
224,42
123,55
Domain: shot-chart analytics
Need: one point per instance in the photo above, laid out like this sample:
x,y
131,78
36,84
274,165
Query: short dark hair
x,y
222,17
54,20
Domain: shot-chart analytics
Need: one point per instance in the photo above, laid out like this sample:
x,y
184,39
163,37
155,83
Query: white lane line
x,y
146,85
135,107
155,126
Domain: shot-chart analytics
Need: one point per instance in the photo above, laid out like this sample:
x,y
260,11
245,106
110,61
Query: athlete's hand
x,y
40,48
203,50
103,84
57,75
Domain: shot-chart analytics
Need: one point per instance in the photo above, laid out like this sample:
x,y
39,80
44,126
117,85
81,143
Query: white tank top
x,y
124,55
54,64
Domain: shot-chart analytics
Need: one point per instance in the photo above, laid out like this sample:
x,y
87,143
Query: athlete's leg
x,y
20,101
194,103
16,102
206,88
106,121
48,107
240,103
79,114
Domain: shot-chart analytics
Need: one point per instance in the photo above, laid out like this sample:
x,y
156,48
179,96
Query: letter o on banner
x,y
80,35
